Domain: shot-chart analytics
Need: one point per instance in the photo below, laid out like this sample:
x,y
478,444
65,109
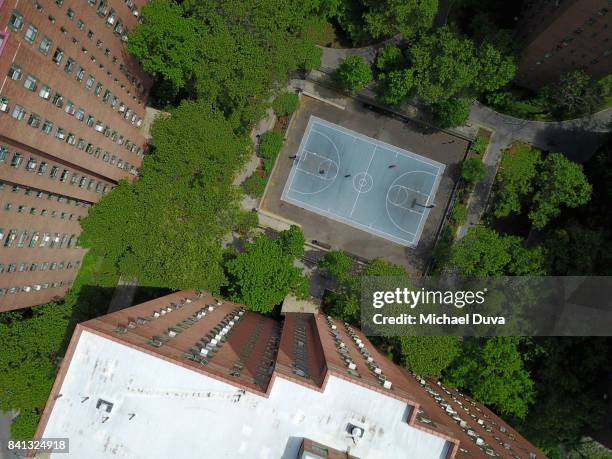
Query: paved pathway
x,y
577,139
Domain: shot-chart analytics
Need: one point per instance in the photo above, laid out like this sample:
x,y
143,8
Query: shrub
x,y
473,170
285,103
353,73
270,145
459,215
255,185
452,112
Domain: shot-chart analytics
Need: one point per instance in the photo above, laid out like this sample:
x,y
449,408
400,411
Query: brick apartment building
x,y
562,35
189,375
71,107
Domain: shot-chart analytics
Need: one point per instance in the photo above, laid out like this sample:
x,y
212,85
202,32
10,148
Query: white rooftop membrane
x,y
180,413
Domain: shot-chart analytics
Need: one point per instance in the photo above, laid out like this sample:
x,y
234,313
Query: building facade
x,y
190,375
71,107
563,35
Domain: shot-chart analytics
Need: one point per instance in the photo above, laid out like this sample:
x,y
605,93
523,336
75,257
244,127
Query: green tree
x,y
183,205
494,372
444,63
292,241
384,18
353,73
459,215
496,69
166,42
270,145
561,183
363,20
263,275
394,87
473,170
345,302
452,112
390,58
255,185
337,264
484,252
429,356
285,103
575,94
515,178
243,52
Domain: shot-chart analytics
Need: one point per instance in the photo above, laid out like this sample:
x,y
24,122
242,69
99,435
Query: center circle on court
x,y
363,182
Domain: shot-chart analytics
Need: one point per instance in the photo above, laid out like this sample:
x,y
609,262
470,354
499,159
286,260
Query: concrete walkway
x,y
577,139
331,57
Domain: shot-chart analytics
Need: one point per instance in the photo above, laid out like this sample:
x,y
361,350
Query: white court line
x,y
430,162
366,171
355,224
293,171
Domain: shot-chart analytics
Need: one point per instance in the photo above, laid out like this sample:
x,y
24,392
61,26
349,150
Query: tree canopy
x,y
364,20
575,94
166,42
494,372
166,228
561,183
429,356
353,73
484,252
263,274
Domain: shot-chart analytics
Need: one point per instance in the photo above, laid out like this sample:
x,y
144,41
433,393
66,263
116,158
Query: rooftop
x,y
189,372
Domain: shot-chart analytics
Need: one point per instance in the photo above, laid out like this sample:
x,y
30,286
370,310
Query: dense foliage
x,y
452,113
473,170
429,356
166,228
484,252
285,103
353,73
364,20
263,274
34,340
225,51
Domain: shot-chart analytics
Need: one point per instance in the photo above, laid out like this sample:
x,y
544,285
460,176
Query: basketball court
x,y
362,182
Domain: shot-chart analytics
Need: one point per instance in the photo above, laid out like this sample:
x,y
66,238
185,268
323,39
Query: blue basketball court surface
x,y
362,182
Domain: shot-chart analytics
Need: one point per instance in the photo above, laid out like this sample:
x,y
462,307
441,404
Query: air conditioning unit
x,y
377,370
387,384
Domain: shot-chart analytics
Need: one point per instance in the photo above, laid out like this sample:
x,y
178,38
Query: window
x,y
58,100
80,25
98,89
42,168
11,267
80,114
45,92
102,9
82,182
99,127
45,45
81,144
14,72
69,67
30,83
70,13
106,96
23,237
17,160
90,81
31,165
18,112
47,127
60,134
34,120
10,238
15,21
3,155
4,104
52,175
71,139
30,34
21,209
58,55
90,121
80,74
64,176
8,206
70,108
